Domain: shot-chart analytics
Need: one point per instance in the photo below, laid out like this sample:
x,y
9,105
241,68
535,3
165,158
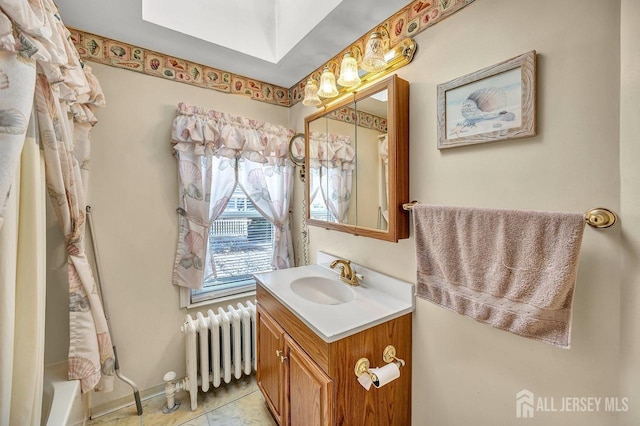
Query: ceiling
x,y
274,41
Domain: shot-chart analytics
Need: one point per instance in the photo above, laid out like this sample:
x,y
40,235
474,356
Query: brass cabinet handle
x,y
279,353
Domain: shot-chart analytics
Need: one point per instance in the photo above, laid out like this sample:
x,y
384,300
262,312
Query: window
x,y
319,210
241,243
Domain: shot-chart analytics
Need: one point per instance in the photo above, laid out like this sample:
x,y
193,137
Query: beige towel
x,y
514,270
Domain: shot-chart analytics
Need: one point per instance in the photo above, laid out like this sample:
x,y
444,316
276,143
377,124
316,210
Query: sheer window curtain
x,y
334,158
313,174
269,185
215,152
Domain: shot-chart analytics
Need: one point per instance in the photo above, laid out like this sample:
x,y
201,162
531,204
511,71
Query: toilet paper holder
x,y
388,355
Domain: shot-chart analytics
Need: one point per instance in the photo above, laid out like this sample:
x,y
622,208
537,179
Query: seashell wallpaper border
x,y
122,55
409,21
361,118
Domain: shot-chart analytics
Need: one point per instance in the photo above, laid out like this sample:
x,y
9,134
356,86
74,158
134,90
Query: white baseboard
x,y
125,401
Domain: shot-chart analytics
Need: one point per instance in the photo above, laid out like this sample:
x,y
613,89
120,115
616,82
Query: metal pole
x,y
94,245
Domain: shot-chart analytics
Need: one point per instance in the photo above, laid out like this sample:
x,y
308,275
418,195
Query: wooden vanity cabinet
x,y
270,374
308,391
296,390
314,382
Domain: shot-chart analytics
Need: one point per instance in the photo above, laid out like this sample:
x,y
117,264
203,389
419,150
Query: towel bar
x,y
598,217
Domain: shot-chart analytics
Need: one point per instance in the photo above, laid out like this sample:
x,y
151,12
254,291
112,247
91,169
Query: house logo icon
x,y
524,404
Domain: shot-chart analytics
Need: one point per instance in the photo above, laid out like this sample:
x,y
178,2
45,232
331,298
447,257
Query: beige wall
x,y
134,194
367,197
630,208
465,373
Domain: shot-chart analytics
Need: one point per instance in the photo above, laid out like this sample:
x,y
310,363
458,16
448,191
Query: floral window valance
x,y
223,135
331,151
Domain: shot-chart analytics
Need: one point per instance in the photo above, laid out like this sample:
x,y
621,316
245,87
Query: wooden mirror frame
x,y
398,140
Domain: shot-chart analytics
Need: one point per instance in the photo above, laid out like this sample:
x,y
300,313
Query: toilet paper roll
x,y
385,374
365,381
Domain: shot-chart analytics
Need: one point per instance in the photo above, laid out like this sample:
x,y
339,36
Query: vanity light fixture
x,y
311,94
398,56
373,60
349,71
328,87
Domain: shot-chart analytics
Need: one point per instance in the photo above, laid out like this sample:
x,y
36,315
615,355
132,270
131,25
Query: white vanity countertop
x,y
378,298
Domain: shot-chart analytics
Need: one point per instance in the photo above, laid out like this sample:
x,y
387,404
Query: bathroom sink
x,y
322,290
331,308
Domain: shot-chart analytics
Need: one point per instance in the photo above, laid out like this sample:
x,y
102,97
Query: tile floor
x,y
234,404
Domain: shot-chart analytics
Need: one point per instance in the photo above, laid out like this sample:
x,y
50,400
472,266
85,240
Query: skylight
x,y
265,29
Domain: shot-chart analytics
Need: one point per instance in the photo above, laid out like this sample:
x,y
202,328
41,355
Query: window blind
x,y
241,243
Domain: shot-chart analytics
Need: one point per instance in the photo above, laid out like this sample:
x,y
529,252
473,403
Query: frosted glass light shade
x,y
373,60
348,71
328,87
311,94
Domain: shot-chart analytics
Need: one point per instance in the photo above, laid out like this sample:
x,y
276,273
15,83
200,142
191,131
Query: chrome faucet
x,y
347,274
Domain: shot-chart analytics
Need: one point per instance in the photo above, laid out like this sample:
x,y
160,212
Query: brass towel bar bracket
x,y
598,217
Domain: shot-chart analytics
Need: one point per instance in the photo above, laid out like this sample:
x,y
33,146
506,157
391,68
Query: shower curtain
x,y
91,358
22,291
40,68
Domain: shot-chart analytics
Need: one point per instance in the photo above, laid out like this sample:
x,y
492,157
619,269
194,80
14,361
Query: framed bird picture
x,y
492,104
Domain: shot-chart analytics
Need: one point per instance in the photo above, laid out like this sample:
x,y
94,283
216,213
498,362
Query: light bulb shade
x,y
349,72
373,60
328,87
311,94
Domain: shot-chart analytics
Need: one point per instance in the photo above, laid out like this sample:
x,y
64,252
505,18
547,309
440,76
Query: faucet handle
x,y
355,278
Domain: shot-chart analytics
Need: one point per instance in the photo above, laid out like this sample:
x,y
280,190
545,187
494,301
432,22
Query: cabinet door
x,y
309,399
270,373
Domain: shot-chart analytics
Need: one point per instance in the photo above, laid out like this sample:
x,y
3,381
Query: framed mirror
x,y
357,162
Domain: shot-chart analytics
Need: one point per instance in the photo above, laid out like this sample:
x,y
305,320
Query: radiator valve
x,y
170,390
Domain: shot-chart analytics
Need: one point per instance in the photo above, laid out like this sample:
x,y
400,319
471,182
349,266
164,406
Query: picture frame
x,y
492,104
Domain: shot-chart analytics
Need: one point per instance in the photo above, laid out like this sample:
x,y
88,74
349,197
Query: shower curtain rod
x,y
598,217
